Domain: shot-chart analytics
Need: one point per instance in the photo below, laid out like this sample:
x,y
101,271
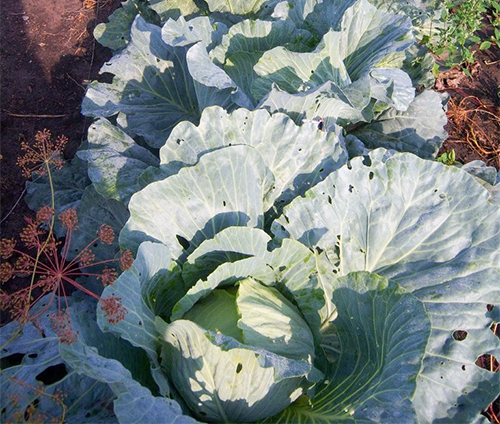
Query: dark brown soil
x,y
48,55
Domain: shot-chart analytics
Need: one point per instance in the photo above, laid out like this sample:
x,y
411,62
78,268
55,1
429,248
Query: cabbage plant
x,y
285,270
279,281
347,62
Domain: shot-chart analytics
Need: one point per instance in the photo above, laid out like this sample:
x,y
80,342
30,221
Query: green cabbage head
x,y
240,354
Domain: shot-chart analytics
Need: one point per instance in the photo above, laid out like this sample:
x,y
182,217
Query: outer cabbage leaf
x,y
173,9
245,43
112,361
72,190
375,348
115,34
148,287
298,157
69,184
238,7
179,33
212,84
93,211
115,161
419,130
433,230
360,101
86,399
151,86
182,211
366,38
378,109
257,384
318,16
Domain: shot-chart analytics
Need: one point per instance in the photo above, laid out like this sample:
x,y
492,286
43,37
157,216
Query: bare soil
x,y
48,55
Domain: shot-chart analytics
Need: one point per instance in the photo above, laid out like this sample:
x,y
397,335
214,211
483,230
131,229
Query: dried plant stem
x,y
13,207
31,115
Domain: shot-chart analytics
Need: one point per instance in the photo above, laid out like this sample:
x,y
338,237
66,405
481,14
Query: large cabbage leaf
x,y
433,230
122,368
115,161
375,348
285,160
151,86
152,89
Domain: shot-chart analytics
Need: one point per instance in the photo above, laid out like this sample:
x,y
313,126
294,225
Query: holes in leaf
x,y
182,241
239,367
488,362
322,169
33,355
224,203
29,412
367,161
319,250
203,414
351,188
435,190
370,175
87,415
11,360
95,245
178,141
282,268
463,367
460,335
330,200
52,374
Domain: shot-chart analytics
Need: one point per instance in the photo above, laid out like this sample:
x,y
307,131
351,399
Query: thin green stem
x,y
51,228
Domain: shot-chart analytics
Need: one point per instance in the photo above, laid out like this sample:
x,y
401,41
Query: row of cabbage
x,y
299,255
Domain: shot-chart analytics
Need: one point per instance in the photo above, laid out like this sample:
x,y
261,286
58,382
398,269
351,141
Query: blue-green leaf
x,y
375,348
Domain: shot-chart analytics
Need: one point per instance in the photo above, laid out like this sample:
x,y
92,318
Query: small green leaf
x,y
485,45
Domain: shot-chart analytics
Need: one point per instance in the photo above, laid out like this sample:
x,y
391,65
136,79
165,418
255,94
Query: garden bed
x,y
49,57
